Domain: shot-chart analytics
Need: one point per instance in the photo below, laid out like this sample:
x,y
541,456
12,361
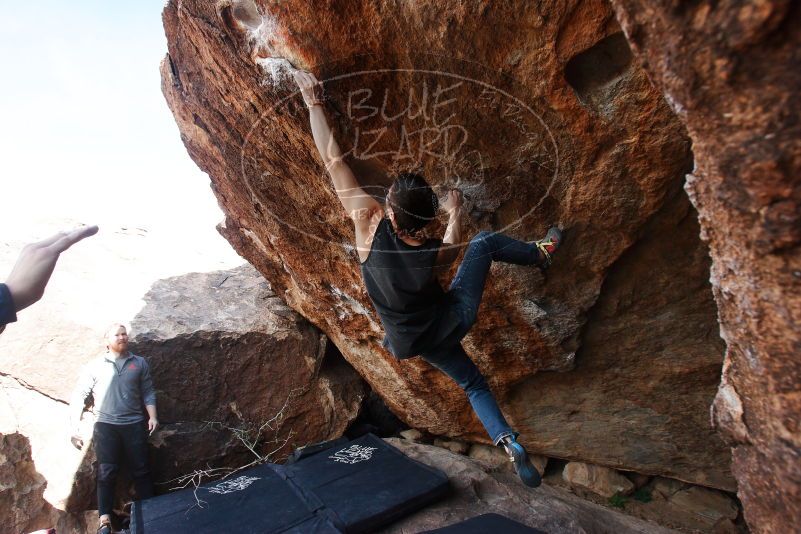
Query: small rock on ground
x,y
597,479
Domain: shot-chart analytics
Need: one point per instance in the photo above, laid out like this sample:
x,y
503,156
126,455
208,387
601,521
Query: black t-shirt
x,y
407,296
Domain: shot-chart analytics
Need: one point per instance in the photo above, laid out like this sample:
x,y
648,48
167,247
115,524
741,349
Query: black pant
x,y
111,443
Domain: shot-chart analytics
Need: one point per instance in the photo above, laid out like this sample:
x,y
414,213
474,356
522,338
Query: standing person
x,y
120,384
399,267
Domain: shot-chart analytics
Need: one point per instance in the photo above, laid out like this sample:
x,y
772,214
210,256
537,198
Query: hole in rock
x,y
593,71
375,417
333,360
554,467
247,14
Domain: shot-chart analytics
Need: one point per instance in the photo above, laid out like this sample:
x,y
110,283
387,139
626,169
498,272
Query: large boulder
x,y
646,370
23,506
478,489
731,72
43,423
547,121
235,369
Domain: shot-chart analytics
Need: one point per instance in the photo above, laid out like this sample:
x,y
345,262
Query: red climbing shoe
x,y
548,245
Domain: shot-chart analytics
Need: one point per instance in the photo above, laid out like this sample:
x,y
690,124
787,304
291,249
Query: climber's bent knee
x,y
475,382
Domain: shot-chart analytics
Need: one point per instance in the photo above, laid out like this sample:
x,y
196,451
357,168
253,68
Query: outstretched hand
x,y
310,88
36,262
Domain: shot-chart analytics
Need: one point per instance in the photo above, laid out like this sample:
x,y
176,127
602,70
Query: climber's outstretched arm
x,y
360,206
448,253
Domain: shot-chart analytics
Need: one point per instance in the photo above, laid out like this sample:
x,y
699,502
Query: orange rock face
x,y
538,113
731,72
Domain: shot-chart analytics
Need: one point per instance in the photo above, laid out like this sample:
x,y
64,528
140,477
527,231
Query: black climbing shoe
x,y
548,245
519,457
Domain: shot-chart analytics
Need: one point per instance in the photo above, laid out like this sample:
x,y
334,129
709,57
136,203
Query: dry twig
x,y
251,437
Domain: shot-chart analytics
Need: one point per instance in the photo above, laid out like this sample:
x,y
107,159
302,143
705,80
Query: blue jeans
x,y
465,295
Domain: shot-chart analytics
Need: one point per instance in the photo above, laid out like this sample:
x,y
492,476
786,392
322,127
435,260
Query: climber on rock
x,y
399,265
120,384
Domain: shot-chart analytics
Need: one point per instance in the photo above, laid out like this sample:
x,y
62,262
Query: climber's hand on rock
x,y
453,200
77,442
309,87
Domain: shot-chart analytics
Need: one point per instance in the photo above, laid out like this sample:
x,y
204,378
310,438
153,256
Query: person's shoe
x,y
104,528
548,245
519,457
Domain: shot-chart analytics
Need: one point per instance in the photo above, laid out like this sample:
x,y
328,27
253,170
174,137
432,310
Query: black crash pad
x,y
485,523
351,487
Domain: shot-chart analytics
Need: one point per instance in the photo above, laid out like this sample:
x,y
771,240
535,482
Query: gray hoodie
x,y
120,388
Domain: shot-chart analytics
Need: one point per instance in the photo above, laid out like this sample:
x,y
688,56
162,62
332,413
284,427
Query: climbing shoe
x,y
104,528
548,245
519,457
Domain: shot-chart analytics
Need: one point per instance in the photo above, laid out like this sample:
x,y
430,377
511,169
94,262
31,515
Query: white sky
x,y
86,135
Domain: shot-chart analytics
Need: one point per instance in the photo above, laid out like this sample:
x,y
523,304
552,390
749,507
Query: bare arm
x,y
153,421
149,397
84,388
453,233
357,203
